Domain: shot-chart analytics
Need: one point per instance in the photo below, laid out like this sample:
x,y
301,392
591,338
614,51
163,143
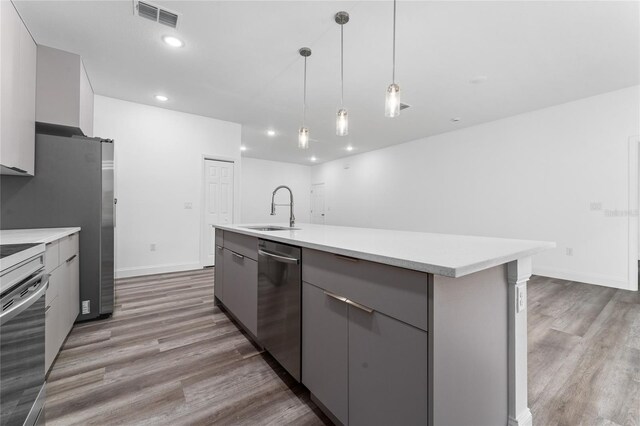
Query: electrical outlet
x,y
152,247
521,296
86,307
596,206
569,251
188,206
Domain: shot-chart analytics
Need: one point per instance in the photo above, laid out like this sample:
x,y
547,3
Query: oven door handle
x,y
12,312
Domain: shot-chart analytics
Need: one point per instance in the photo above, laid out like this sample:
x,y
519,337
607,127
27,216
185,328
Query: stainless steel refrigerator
x,y
73,186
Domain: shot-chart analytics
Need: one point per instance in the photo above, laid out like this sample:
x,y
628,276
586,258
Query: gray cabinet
x,y
365,367
240,276
18,87
63,92
387,371
324,349
218,280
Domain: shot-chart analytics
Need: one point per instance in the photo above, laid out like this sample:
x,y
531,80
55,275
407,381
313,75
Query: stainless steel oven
x,y
22,374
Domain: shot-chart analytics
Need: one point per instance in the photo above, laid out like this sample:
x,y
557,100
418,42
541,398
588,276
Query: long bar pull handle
x,y
279,257
335,296
219,247
71,258
350,259
239,256
359,306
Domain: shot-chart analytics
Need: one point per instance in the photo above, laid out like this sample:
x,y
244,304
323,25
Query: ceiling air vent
x,y
168,18
155,13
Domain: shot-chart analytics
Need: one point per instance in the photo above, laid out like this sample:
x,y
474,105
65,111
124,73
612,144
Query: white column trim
x,y
518,273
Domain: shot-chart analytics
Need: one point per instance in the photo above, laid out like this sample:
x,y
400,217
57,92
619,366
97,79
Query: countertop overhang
x,y
37,235
448,255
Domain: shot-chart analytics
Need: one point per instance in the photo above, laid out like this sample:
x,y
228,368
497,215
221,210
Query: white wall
x,y
159,160
261,177
531,176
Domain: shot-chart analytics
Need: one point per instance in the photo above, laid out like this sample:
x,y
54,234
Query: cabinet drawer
x,y
51,256
241,244
219,237
241,289
396,292
68,246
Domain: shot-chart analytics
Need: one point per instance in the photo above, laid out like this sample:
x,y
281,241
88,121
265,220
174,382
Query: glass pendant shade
x,y
303,138
342,123
392,104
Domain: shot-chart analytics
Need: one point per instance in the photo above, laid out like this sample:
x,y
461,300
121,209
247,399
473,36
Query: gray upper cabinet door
x,y
218,280
324,349
387,371
240,276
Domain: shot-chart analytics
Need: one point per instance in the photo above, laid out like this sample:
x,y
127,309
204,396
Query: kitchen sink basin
x,y
271,228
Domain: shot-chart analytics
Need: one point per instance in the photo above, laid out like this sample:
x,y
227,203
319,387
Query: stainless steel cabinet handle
x,y
335,296
47,309
219,247
349,302
71,258
350,259
239,256
359,306
278,257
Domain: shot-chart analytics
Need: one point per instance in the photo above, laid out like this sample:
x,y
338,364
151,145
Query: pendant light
x,y
342,118
392,101
303,132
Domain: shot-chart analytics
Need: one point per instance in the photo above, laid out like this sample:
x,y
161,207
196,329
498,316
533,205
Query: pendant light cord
x,y
342,65
393,74
304,96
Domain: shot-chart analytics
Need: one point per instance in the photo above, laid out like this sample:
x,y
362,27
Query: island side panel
x,y
469,348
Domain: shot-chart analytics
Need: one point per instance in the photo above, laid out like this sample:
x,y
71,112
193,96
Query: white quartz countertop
x,y
441,254
40,235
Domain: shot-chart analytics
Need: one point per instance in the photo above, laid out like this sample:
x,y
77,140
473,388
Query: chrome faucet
x,y
292,218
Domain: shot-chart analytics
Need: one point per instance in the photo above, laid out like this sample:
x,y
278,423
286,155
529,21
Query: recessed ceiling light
x,y
349,148
173,41
243,148
271,132
161,98
313,159
455,119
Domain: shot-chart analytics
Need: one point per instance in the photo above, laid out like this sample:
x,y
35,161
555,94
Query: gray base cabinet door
x,y
240,276
218,280
324,349
387,371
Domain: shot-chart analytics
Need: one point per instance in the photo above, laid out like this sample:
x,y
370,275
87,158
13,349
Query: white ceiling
x,y
240,62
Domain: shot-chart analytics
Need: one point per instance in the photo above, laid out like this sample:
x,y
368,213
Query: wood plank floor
x,y
168,357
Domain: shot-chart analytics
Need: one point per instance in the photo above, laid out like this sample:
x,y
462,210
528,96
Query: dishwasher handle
x,y
278,257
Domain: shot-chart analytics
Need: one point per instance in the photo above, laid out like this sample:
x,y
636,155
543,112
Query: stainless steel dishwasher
x,y
279,297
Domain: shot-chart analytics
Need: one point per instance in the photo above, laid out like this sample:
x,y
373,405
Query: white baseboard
x,y
158,269
602,280
524,419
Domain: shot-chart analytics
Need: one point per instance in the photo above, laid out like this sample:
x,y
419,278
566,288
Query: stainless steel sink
x,y
271,228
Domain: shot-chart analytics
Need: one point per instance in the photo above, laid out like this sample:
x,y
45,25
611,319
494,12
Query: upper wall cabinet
x,y
18,88
64,95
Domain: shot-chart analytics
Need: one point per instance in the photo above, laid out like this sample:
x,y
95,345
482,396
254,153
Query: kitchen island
x,y
396,327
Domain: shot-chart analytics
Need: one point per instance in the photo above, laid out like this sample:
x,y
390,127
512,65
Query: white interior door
x,y
317,203
218,204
